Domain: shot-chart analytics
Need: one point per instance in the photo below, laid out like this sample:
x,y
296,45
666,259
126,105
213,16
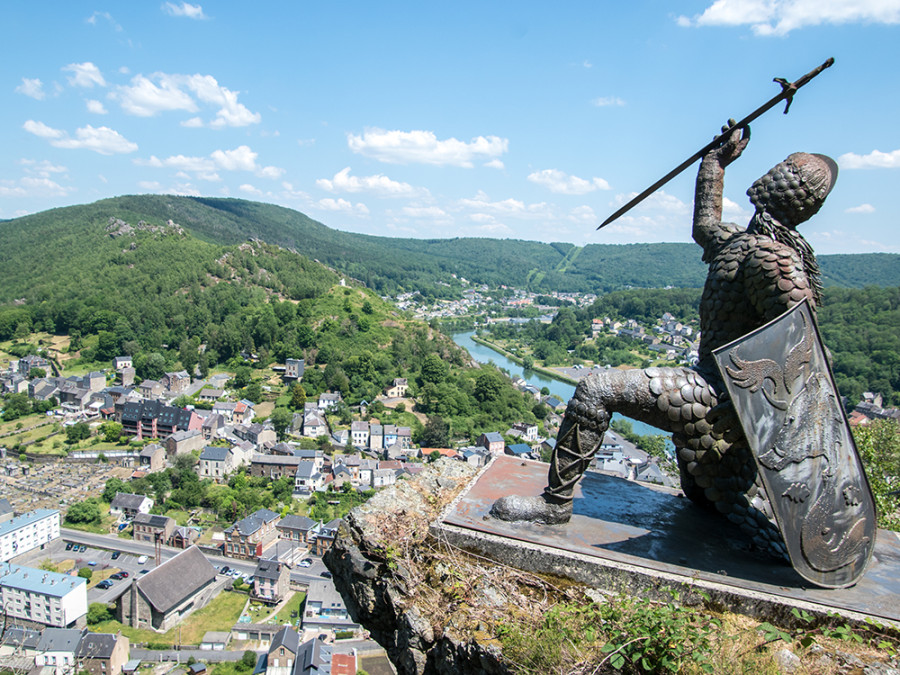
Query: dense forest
x,y
170,300
391,265
859,327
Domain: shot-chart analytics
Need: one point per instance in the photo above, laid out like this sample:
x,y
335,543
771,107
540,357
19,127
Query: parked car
x,y
69,546
117,576
115,555
326,574
92,563
142,560
106,583
225,569
306,562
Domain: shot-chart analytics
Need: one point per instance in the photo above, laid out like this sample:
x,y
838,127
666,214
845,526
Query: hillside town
x,y
153,571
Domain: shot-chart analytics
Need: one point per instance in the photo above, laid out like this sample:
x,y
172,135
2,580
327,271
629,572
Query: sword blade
x,y
787,92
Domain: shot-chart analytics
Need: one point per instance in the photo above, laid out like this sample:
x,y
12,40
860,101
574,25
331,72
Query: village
x,y
152,572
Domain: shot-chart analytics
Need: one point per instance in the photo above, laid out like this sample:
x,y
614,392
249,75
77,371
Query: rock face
x,y
425,603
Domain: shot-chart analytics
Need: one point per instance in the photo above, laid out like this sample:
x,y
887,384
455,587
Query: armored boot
x,y
575,448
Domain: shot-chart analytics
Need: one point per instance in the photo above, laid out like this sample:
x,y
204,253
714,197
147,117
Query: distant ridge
x,y
391,265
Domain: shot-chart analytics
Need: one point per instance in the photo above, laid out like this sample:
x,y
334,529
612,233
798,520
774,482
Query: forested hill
x,y
390,265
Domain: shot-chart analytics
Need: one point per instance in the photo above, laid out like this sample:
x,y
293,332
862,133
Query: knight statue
x,y
755,274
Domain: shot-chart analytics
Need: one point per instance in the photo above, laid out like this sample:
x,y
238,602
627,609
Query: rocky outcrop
x,y
431,607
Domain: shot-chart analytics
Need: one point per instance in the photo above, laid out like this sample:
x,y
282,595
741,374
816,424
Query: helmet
x,y
795,189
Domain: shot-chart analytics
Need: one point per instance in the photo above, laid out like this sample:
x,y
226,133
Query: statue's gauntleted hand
x,y
733,145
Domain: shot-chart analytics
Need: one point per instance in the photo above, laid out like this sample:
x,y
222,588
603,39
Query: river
x,y
562,390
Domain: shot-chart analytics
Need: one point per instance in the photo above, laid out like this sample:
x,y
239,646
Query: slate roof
x,y
59,640
123,500
268,569
306,469
293,522
212,453
314,657
21,637
151,520
253,522
96,646
288,638
519,448
493,437
177,579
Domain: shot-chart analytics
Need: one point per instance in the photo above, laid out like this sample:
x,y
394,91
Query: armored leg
x,y
579,437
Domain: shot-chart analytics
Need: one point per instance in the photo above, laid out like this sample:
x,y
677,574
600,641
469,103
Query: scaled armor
x,y
755,274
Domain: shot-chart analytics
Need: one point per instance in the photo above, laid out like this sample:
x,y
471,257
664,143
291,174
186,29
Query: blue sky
x,y
527,120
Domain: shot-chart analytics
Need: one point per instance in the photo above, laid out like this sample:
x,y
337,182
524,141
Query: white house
x,y
27,532
49,598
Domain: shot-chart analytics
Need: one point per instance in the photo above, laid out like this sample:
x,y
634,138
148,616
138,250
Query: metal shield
x,y
784,394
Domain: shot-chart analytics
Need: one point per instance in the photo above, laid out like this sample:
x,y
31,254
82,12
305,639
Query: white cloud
x,y
241,158
733,210
423,147
102,140
41,168
150,185
343,206
426,212
96,107
42,130
145,99
874,160
862,208
92,19
162,92
607,101
780,17
32,186
561,183
84,75
32,87
184,9
583,215
378,184
250,190
513,208
273,172
494,164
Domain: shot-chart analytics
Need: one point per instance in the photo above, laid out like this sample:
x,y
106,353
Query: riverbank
x,y
548,372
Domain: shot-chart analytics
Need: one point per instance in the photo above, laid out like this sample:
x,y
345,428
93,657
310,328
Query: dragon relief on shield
x,y
811,433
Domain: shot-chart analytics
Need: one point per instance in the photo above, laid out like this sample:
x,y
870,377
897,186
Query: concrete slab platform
x,y
628,537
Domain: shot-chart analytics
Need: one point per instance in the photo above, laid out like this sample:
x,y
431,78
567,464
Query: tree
x,y
86,573
488,386
113,486
281,419
298,396
16,406
436,433
248,660
36,373
111,431
434,369
84,513
78,432
98,612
